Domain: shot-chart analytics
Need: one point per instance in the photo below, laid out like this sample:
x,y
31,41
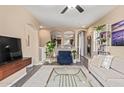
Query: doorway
x,y
81,45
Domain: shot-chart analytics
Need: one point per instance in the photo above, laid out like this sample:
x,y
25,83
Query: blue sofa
x,y
64,57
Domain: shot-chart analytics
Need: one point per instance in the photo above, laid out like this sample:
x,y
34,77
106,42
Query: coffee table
x,y
67,77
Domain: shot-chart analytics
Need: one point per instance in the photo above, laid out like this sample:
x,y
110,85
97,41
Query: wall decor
x,y
118,33
118,38
105,37
28,27
117,25
28,40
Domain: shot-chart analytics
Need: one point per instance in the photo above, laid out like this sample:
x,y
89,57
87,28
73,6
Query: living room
x,y
22,22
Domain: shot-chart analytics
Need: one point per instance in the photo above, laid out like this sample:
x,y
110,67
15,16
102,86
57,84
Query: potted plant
x,y
50,47
103,40
99,28
74,53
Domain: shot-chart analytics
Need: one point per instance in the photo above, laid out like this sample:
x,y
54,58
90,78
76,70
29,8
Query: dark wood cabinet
x,y
13,66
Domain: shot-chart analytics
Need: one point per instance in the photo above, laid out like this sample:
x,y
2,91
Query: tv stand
x,y
12,67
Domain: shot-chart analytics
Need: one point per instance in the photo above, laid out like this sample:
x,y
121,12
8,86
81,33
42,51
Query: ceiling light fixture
x,y
71,6
77,7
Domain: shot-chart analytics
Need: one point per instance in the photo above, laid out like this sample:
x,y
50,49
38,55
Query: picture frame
x,y
117,38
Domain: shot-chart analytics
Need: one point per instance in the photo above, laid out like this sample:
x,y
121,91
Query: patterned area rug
x,y
67,77
58,76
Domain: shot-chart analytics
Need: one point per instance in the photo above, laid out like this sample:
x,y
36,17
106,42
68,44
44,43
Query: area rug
x,y
58,76
67,77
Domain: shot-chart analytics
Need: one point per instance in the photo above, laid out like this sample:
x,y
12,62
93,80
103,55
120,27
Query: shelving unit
x,y
102,39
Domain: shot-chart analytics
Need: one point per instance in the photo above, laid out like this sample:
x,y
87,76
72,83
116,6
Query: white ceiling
x,y
49,15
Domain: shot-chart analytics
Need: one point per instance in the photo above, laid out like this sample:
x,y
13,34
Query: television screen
x,y
10,49
118,38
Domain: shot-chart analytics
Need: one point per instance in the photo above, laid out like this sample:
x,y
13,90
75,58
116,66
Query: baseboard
x,y
40,63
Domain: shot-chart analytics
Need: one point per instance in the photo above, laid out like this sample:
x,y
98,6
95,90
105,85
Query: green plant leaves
x,y
50,46
100,27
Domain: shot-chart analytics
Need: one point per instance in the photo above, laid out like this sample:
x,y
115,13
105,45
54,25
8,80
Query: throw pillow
x,y
107,62
97,60
100,59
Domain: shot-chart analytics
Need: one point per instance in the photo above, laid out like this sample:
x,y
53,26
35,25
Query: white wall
x,y
44,37
114,16
16,22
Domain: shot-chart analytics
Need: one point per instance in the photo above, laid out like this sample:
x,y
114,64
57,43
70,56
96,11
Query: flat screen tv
x,y
10,49
118,38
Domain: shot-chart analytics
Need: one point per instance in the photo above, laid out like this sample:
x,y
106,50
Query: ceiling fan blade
x,y
80,9
64,10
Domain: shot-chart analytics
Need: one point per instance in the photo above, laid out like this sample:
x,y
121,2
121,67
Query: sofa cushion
x,y
107,62
97,60
115,82
118,64
107,74
64,58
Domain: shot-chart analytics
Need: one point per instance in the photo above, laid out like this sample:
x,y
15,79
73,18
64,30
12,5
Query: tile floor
x,y
30,72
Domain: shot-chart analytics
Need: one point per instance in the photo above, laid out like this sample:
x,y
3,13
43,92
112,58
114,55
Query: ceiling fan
x,y
77,7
